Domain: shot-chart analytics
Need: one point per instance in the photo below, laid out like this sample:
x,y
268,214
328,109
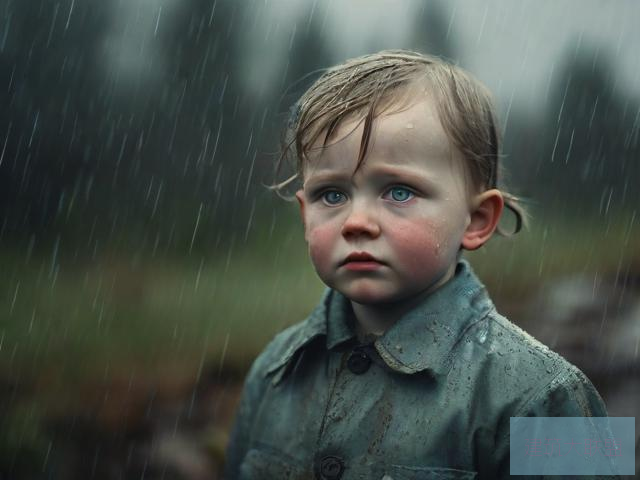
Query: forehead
x,y
412,135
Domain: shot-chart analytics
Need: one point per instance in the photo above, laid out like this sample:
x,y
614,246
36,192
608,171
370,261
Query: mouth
x,y
361,261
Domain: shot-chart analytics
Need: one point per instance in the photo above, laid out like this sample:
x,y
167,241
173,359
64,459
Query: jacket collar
x,y
423,339
302,335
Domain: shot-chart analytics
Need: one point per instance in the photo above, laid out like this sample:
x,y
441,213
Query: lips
x,y
360,257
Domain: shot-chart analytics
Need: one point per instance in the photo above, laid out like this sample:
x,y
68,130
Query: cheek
x,y
424,246
321,241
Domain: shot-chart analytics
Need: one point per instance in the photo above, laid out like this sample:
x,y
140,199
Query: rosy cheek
x,y
420,248
321,242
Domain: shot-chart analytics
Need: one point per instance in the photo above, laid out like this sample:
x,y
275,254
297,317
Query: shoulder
x,y
535,380
276,354
283,347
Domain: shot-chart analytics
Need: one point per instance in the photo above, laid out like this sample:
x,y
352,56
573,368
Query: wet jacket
x,y
431,398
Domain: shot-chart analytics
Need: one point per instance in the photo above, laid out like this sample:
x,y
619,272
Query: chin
x,y
367,295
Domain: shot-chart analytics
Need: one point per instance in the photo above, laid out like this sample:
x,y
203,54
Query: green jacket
x,y
431,398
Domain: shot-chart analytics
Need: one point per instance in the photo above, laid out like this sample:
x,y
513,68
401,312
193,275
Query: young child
x,y
404,370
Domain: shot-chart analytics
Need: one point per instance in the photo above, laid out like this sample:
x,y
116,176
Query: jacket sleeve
x,y
240,437
568,394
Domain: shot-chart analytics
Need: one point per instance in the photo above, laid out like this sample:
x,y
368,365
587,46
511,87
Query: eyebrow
x,y
402,173
397,173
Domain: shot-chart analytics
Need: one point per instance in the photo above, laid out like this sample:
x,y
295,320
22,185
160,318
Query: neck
x,y
379,317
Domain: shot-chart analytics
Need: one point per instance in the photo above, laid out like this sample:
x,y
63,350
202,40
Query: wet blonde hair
x,y
369,85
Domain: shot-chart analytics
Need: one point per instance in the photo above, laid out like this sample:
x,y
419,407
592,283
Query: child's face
x,y
407,207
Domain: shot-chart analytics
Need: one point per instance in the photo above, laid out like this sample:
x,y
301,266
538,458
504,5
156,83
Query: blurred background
x,y
143,264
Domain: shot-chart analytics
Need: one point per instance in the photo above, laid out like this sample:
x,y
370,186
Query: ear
x,y
301,202
485,214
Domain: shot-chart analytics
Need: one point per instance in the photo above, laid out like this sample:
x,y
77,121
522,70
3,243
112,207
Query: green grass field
x,y
68,322
71,328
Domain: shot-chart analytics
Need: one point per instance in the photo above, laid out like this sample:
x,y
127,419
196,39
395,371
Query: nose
x,y
360,222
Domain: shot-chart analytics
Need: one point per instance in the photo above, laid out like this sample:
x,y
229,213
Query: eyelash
x,y
322,194
412,193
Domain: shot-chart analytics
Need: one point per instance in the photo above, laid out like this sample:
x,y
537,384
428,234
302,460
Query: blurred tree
x,y
198,147
307,58
591,138
49,107
431,31
521,149
100,158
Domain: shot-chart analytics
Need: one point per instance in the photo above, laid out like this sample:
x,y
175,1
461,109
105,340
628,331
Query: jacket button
x,y
331,468
358,362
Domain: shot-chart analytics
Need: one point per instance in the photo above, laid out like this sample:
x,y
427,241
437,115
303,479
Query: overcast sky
x,y
513,46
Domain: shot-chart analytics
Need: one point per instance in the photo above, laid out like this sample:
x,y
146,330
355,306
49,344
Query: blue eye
x,y
333,197
400,194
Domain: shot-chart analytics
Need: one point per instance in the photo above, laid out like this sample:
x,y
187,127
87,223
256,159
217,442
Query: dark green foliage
x,y
590,148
